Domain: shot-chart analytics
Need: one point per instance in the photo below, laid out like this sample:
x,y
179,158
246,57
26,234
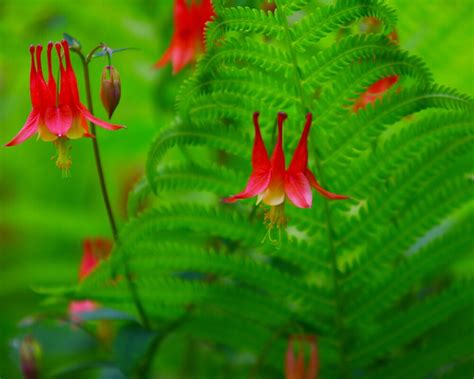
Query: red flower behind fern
x,y
94,252
188,36
375,91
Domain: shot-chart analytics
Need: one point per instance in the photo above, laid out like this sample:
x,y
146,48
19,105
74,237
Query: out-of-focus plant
x,y
369,276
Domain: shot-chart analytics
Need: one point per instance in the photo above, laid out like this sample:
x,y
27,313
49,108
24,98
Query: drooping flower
x,y
188,36
272,183
295,363
94,252
375,92
56,117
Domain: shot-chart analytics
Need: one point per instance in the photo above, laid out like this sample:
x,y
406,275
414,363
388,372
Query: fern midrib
x,y
343,369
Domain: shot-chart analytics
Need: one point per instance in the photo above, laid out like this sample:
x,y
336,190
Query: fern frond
x,y
440,350
323,20
434,256
242,19
347,271
405,327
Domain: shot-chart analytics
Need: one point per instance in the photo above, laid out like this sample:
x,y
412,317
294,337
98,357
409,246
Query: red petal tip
x,y
282,116
337,197
255,118
309,116
228,200
32,48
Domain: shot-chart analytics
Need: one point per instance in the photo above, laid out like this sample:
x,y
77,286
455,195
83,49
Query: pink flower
x,y
94,252
56,117
188,36
272,183
294,365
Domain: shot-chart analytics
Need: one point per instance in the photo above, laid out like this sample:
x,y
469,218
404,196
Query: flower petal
x,y
71,76
182,54
97,121
260,160
257,183
290,363
299,161
383,85
30,128
314,183
313,366
298,189
275,193
58,120
165,58
81,306
52,89
261,168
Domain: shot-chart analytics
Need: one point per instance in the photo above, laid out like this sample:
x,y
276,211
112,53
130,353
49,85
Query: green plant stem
x,y
105,195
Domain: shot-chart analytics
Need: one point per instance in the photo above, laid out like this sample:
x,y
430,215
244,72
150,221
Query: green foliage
x,y
369,275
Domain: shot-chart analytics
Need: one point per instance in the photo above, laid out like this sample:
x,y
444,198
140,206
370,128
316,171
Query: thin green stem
x,y
105,195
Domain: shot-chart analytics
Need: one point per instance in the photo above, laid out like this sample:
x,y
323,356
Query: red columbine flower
x,y
294,365
375,92
273,184
56,117
188,36
94,252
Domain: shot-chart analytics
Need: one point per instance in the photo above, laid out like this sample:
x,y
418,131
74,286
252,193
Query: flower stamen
x,y
274,217
63,157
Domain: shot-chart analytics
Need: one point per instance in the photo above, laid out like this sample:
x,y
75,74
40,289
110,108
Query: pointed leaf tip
x,y
72,42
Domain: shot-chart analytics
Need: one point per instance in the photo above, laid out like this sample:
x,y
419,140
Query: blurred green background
x,y
44,218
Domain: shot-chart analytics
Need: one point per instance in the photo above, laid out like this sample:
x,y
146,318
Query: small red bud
x,y
110,89
30,357
295,367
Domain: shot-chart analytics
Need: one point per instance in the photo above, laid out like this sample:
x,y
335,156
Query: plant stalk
x,y
105,195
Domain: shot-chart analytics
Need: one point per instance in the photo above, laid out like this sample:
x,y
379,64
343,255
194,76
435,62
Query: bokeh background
x,y
43,217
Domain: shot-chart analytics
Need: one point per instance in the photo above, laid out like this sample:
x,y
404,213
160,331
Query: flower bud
x,y
110,89
30,357
295,367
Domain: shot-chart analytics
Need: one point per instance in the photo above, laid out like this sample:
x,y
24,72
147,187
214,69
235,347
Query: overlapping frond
x,y
344,267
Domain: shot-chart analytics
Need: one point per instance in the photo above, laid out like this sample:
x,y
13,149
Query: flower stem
x,y
105,195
